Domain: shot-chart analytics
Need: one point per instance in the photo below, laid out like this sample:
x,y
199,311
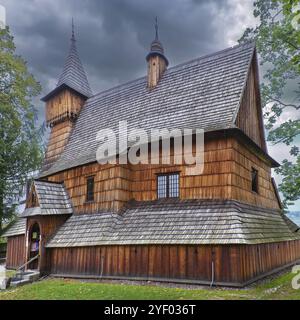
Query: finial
x,y
73,32
156,28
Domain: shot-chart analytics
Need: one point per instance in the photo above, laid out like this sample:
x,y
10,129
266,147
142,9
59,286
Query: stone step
x,y
22,278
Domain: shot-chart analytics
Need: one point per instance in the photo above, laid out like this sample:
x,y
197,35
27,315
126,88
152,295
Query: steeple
x,y
157,62
73,74
63,104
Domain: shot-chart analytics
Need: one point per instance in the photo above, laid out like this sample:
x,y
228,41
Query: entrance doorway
x,y
34,246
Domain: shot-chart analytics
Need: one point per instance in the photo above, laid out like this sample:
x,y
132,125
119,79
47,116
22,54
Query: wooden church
x,y
156,221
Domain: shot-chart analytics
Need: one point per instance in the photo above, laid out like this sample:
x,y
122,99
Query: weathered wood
x,y
64,105
156,68
48,225
32,199
227,175
232,264
15,252
61,112
249,117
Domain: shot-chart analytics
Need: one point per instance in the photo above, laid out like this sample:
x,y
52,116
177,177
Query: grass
x,y
61,289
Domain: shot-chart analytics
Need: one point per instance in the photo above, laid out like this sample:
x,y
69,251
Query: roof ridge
x,y
214,54
174,67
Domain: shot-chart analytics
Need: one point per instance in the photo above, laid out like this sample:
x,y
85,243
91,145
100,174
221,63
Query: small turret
x,y
157,62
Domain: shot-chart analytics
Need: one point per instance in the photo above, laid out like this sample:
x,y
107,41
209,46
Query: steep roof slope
x,y
52,198
73,74
201,94
17,229
177,221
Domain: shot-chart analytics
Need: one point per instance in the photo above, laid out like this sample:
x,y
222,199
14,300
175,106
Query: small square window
x,y
254,178
168,186
90,189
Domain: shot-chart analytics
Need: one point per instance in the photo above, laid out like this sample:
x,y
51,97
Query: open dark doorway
x,y
34,246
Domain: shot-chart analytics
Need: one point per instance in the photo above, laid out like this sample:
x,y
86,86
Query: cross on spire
x,y
156,28
73,30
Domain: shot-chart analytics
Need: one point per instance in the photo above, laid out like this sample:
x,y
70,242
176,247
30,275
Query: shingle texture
x,y
292,225
73,74
18,228
176,222
53,200
202,94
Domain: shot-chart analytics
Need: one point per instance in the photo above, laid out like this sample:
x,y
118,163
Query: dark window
x,y
90,189
161,187
254,177
168,186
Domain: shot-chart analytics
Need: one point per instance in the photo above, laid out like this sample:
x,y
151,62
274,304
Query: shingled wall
x,y
227,175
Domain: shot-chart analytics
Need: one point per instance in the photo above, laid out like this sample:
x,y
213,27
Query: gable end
x,y
250,116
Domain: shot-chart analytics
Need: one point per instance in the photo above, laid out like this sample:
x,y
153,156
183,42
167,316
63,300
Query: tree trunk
x,y
1,211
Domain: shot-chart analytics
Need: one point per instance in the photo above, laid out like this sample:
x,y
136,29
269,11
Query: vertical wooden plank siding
x,y
15,254
62,105
232,263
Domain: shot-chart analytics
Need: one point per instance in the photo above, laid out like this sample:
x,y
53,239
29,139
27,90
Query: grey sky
x,y
113,36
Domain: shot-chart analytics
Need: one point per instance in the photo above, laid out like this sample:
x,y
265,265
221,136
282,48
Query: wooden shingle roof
x,y
73,75
176,222
52,198
17,229
201,94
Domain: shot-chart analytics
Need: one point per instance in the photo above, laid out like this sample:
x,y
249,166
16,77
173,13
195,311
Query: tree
x,y
20,140
278,43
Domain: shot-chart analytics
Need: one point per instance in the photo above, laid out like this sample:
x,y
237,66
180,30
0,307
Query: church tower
x,y
157,62
63,104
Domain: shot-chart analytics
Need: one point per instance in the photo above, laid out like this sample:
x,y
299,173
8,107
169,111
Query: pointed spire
x,y
156,28
73,74
73,30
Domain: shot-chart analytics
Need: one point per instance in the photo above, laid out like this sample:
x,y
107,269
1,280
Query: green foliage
x,y
278,44
20,141
291,180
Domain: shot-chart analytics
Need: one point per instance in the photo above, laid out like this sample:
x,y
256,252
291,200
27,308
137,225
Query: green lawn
x,y
279,288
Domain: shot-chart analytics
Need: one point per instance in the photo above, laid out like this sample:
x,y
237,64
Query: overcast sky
x,y
113,36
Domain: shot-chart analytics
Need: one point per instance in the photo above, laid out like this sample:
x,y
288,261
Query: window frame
x,y
92,199
254,181
167,190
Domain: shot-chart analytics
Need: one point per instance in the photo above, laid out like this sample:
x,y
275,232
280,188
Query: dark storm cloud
x,y
113,36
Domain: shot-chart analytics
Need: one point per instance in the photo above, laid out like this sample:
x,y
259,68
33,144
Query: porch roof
x,y
53,199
